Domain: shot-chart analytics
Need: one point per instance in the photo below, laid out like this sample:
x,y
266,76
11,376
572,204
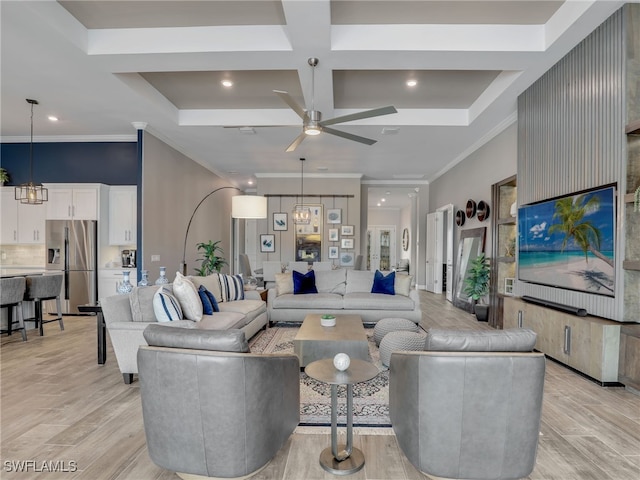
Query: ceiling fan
x,y
312,123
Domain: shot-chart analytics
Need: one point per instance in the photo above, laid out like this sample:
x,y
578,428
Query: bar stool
x,y
11,295
44,287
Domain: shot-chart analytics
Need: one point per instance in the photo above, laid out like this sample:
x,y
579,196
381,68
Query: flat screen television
x,y
569,241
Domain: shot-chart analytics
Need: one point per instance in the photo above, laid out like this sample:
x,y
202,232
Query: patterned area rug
x,y
370,399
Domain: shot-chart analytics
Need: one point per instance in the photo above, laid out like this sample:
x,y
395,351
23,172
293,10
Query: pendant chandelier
x,y
30,193
301,214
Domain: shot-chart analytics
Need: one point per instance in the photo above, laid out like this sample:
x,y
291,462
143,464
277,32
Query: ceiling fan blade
x,y
288,99
376,112
296,142
349,136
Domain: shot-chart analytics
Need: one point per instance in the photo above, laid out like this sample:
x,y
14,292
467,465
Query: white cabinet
x,y
78,203
21,224
108,280
122,215
31,223
9,224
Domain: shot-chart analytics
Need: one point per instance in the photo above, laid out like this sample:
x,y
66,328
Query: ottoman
x,y
400,340
386,325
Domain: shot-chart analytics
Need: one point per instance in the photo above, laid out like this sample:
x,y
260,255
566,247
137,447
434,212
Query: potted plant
x,y
211,259
477,286
4,176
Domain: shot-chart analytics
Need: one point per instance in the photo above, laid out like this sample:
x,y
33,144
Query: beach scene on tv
x,y
569,242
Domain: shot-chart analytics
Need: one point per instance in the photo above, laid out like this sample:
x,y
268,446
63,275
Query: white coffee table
x,y
314,342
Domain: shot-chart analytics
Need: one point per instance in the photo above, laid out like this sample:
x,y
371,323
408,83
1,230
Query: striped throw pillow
x,y
166,306
231,287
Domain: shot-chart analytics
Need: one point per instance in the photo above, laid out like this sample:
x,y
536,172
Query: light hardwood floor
x,y
58,404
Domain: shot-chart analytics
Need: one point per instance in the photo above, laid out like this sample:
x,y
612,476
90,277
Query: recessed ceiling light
x,y
227,83
411,83
247,130
383,199
387,192
250,182
378,204
322,168
390,130
53,118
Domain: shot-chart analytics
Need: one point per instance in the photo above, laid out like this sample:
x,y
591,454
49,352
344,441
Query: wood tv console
x,y
590,345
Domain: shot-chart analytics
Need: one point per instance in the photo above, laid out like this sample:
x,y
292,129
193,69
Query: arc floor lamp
x,y
242,206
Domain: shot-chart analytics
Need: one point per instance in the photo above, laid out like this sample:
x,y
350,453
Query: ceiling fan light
x,y
310,130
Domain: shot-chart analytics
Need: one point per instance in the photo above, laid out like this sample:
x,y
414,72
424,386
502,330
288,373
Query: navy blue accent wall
x,y
111,163
139,156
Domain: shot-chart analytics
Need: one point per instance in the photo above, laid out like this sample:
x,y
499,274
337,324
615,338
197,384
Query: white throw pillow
x,y
187,294
284,283
166,307
402,284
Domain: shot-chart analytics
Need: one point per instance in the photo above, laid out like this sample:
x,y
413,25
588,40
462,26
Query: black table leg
x,y
102,339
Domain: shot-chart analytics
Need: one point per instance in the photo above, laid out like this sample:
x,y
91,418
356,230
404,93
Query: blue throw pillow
x,y
209,302
304,283
382,284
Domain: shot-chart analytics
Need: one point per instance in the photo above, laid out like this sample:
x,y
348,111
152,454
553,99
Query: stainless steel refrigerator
x,y
72,248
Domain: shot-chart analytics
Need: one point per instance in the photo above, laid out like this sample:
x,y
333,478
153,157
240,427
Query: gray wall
x,y
571,138
172,186
472,179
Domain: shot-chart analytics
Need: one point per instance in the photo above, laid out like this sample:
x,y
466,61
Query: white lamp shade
x,y
249,206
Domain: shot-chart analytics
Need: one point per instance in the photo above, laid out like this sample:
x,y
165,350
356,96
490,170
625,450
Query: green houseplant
x,y
4,176
477,285
212,261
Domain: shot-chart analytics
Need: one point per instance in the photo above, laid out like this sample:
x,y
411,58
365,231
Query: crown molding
x,y
308,175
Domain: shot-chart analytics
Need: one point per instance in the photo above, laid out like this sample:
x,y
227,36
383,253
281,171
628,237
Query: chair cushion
x,y
331,281
377,301
187,294
141,302
331,301
510,340
216,340
166,306
304,283
359,281
384,284
222,321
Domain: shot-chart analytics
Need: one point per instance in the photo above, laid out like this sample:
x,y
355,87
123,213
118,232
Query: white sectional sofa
x,y
343,291
126,317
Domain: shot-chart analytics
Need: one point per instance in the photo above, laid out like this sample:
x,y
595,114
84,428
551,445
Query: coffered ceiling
x,y
101,65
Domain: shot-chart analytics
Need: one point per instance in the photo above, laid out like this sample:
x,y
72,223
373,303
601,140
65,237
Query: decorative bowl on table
x,y
328,320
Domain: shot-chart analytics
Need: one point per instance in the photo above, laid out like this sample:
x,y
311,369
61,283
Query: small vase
x,y
144,281
125,287
162,279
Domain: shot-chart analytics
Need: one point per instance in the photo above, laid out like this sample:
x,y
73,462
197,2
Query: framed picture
x,y
347,259
334,215
280,222
333,235
333,252
347,230
267,243
347,243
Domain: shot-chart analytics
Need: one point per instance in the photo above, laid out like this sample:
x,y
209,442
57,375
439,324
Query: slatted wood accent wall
x,y
571,137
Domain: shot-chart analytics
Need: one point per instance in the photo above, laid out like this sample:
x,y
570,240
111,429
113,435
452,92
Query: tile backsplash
x,y
22,255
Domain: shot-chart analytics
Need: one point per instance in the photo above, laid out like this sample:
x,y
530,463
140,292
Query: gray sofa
x,y
470,405
126,317
211,408
343,291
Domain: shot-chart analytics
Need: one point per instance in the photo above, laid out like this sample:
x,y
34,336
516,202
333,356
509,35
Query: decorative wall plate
x,y
405,239
460,218
471,208
483,210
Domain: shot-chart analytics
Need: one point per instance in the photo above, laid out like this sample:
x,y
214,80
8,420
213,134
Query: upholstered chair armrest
x,y
218,414
252,295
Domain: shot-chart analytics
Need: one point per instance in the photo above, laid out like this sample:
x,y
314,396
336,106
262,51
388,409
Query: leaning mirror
x,y
471,245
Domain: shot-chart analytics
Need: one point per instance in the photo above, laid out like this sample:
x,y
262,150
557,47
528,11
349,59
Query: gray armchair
x,y
210,407
469,406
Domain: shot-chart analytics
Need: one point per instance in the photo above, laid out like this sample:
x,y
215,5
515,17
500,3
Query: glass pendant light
x,y
30,193
301,214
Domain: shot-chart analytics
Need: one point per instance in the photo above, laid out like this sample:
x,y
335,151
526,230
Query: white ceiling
x,y
101,65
